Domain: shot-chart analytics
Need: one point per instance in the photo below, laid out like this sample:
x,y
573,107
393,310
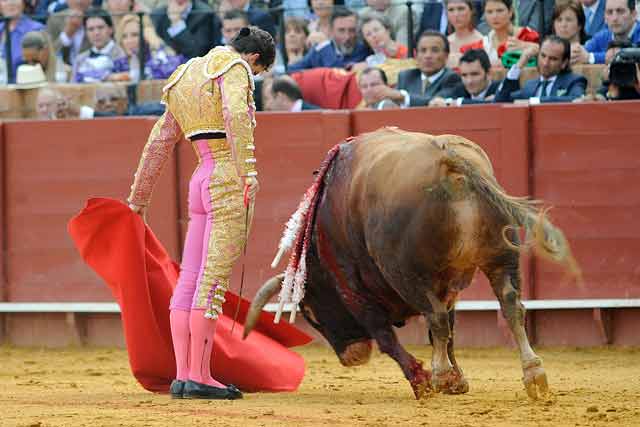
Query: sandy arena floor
x,y
93,387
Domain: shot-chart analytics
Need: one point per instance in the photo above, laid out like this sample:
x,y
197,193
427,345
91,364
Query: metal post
x,y
541,22
7,49
410,35
141,46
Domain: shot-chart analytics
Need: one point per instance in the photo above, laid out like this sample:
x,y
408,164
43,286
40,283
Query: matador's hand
x,y
251,187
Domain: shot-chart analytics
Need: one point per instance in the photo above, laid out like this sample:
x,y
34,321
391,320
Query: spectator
x,y
476,86
396,15
569,22
461,17
417,86
97,63
374,87
616,93
434,17
377,33
620,16
594,16
67,32
189,27
118,9
556,82
320,24
55,6
160,60
19,25
53,105
504,35
37,49
613,48
287,96
295,38
257,17
528,15
232,22
342,50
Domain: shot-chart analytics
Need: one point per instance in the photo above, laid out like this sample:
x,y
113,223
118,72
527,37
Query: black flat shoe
x,y
233,390
194,390
177,389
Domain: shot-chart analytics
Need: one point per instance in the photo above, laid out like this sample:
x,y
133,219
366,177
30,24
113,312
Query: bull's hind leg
x,y
505,281
447,377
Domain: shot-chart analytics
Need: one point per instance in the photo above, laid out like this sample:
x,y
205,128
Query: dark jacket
x,y
567,87
201,35
459,91
411,81
262,20
326,55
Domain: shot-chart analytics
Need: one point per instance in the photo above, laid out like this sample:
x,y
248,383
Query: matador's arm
x,y
163,138
239,118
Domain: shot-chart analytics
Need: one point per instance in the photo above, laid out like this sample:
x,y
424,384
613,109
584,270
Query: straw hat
x,y
29,77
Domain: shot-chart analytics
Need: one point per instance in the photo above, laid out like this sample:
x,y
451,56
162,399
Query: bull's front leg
x,y
506,286
419,378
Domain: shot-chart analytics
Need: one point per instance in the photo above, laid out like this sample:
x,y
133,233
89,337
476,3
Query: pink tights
x,y
191,332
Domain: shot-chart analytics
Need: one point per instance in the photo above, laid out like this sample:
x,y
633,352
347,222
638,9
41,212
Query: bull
x,y
403,222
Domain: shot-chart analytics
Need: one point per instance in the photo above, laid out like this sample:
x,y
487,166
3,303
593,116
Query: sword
x,y
245,197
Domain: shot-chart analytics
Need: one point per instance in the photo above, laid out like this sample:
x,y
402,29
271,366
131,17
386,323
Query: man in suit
x,y
620,16
287,96
342,50
257,17
232,22
67,32
190,27
594,16
476,86
416,87
556,82
373,83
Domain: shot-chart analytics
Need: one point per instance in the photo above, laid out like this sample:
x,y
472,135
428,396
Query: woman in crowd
x,y
296,32
320,24
504,36
461,17
160,60
19,25
569,21
37,49
376,31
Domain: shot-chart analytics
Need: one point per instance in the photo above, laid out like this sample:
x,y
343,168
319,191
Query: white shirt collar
x,y
105,50
432,78
297,106
482,94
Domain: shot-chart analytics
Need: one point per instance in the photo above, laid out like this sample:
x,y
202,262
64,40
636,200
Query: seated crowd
x,y
458,46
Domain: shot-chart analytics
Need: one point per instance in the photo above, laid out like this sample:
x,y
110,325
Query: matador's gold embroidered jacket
x,y
213,93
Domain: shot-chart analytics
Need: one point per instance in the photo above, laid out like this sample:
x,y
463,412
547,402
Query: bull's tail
x,y
547,240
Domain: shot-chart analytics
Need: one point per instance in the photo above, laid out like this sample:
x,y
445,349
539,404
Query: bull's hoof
x,y
421,384
450,382
356,354
535,379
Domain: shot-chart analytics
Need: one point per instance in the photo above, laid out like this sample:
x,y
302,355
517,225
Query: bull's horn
x,y
277,259
264,294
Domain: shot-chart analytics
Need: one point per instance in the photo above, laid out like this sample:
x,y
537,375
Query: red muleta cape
x,y
117,245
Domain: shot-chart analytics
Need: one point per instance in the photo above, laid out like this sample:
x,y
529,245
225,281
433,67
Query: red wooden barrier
x,y
587,164
51,168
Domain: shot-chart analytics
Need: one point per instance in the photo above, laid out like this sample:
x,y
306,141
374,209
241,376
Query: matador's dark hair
x,y
255,40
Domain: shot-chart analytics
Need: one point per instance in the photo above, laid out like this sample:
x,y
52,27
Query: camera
x,y
622,71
